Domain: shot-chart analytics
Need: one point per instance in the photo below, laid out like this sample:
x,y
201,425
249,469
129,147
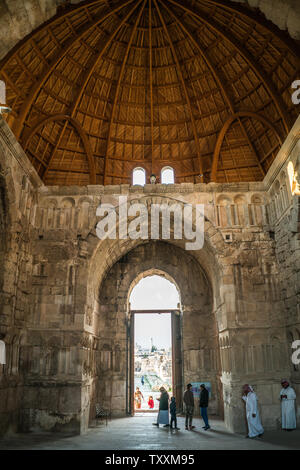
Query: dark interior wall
x,y
18,188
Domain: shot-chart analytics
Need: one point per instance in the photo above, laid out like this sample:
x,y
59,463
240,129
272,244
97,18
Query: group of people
x,y
188,400
288,410
255,428
138,397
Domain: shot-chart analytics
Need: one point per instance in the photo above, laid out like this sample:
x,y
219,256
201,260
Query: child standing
x,y
173,413
151,403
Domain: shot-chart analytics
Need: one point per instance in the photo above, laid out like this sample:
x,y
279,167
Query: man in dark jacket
x,y
188,400
173,413
203,403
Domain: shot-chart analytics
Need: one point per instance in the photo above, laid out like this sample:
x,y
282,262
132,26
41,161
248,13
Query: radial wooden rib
x,y
81,132
203,54
217,78
118,88
72,111
151,86
54,150
257,19
18,125
94,61
197,143
247,57
225,128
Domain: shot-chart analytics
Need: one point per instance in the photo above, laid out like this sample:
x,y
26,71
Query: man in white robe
x,y
288,412
255,428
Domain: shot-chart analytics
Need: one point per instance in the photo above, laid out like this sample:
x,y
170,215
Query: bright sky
x,y
154,326
153,292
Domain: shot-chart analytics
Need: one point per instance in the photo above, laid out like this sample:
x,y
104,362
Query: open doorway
x,y
152,359
155,343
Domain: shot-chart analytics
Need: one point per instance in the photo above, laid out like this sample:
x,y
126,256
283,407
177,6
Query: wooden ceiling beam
x,y
42,162
266,156
12,84
38,52
251,145
204,56
157,160
96,57
224,130
81,132
151,86
217,77
25,68
109,135
54,150
18,123
196,138
267,25
246,56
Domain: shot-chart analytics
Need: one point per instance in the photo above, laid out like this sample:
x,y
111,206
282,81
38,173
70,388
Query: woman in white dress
x,y
254,424
288,412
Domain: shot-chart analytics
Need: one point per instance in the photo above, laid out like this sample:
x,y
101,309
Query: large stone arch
x,y
234,304
200,339
102,254
105,256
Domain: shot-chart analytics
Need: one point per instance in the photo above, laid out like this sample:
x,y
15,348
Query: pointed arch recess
x,y
81,132
225,128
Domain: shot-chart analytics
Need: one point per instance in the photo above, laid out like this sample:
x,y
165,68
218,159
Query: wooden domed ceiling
x,y
201,85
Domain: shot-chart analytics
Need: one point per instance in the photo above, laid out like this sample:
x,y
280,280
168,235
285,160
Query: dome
x,y
202,86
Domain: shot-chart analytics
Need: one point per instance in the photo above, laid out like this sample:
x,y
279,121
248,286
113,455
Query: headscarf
x,y
248,388
284,381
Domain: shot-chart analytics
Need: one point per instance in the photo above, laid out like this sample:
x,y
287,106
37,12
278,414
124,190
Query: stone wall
x,y
238,259
18,187
284,211
199,340
64,293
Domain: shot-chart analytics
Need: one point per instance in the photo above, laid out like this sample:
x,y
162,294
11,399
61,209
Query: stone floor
x,y
138,433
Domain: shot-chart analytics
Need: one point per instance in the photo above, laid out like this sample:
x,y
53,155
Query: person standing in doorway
x,y
151,402
173,413
255,428
138,396
188,400
288,412
203,404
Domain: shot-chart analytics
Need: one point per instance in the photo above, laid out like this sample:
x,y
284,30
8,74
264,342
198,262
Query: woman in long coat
x,y
163,414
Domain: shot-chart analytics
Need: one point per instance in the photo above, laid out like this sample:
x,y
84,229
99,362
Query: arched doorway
x,y
196,320
155,334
